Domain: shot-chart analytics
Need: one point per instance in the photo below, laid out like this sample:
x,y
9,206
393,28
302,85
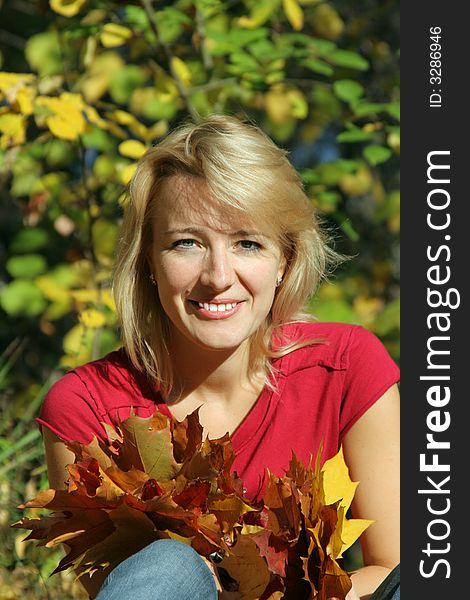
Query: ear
x,y
282,266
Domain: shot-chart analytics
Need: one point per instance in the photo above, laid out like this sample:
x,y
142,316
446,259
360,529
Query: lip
x,y
216,315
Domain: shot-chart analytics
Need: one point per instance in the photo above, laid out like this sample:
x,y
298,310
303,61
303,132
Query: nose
x,y
218,272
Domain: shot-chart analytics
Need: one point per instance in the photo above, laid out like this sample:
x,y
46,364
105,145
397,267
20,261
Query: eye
x,y
249,245
186,243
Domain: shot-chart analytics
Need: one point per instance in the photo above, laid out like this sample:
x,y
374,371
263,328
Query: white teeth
x,y
217,307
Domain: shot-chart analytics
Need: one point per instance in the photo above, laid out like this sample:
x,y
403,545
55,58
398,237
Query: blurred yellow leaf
x,y
326,22
24,98
132,149
67,8
113,35
298,104
92,318
12,130
181,69
67,121
294,13
9,81
157,130
277,106
124,118
94,117
96,80
126,174
259,14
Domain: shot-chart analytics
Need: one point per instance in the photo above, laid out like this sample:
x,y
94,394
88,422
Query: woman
x,y
220,251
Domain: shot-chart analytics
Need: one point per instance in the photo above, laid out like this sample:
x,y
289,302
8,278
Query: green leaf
x,y
393,109
27,265
346,58
375,154
348,90
44,55
318,66
336,310
125,81
28,240
349,230
22,297
99,140
171,23
363,108
389,319
329,198
355,135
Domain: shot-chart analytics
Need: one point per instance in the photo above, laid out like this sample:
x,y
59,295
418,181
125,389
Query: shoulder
x,y
333,345
103,390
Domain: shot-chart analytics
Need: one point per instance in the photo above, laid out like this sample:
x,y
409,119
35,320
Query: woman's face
x,y
216,272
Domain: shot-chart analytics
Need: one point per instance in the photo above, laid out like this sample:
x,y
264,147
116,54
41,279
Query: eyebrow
x,y
198,230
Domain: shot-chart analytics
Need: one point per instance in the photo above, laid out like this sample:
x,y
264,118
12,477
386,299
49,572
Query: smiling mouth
x,y
215,309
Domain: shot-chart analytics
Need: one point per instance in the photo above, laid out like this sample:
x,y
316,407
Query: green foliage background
x,y
85,87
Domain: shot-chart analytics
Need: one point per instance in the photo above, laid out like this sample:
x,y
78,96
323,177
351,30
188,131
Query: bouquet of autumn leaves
x,y
160,479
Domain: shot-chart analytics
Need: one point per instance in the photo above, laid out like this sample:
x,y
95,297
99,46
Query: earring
x,y
279,280
152,279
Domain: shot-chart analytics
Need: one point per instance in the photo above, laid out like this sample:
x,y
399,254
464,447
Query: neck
x,y
210,375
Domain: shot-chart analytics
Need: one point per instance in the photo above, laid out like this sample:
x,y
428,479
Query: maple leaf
x,y
159,479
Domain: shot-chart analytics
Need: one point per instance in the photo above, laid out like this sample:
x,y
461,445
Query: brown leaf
x,y
187,437
245,565
133,530
284,511
274,550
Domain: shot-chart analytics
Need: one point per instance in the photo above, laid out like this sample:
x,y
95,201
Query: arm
x,y
371,449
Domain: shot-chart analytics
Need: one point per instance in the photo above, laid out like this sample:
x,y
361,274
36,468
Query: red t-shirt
x,y
323,389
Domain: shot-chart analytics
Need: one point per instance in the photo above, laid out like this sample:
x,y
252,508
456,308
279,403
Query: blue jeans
x,y
163,570
389,589
169,569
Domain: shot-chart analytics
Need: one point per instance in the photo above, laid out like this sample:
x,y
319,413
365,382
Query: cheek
x,y
175,276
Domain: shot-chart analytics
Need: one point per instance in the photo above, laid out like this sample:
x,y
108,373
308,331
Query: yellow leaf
x,y
337,486
157,131
24,98
12,130
67,8
179,538
294,13
278,106
66,128
181,69
124,118
92,318
126,174
113,35
85,295
132,149
13,80
67,121
347,531
95,82
298,104
94,117
259,15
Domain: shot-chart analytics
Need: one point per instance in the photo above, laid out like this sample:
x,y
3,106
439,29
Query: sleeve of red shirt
x,y
70,412
370,373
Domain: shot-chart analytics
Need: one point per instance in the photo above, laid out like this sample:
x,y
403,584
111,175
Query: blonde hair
x,y
246,172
